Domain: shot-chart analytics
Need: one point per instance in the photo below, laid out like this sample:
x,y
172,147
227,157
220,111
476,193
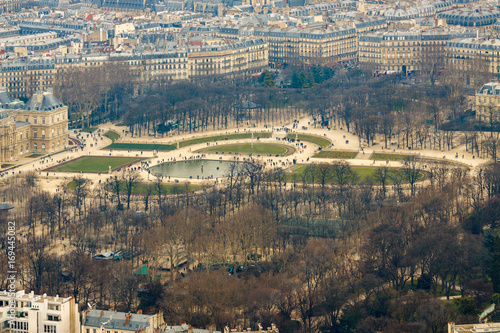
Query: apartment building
x,y
487,103
471,17
156,66
230,58
473,59
23,78
12,5
310,45
39,314
235,58
38,126
102,321
406,51
27,39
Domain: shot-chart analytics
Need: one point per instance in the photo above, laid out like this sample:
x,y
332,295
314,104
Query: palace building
x,y
37,126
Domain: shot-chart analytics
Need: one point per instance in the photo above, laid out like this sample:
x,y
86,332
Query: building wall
x,y
228,62
40,314
323,50
21,80
474,59
42,132
488,104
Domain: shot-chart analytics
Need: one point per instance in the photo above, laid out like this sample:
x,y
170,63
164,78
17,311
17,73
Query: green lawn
x,y
94,164
72,184
336,154
34,155
246,148
317,140
140,146
363,174
236,136
89,129
112,135
388,156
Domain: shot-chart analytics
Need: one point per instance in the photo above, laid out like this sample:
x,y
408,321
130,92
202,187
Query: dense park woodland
x,y
407,250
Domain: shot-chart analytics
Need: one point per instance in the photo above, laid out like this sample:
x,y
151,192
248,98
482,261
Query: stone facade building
x,y
39,313
474,58
38,126
406,51
488,103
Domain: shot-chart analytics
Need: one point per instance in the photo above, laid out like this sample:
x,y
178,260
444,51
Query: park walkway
x,y
341,140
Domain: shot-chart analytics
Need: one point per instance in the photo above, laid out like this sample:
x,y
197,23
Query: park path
x,y
340,138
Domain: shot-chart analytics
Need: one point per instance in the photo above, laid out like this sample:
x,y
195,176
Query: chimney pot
x,y
39,99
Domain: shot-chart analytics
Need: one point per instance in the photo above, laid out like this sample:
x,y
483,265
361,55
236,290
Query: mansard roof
x,y
43,101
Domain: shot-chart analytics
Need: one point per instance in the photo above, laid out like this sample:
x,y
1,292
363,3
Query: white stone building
x,y
39,314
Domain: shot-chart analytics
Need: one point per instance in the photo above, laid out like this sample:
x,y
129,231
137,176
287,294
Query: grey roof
x,y
21,124
138,214
116,320
5,206
5,98
247,105
184,328
491,88
49,102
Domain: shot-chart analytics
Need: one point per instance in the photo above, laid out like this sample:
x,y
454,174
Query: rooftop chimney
x,y
102,313
39,99
139,311
260,327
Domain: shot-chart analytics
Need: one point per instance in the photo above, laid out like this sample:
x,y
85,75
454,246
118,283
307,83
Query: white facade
x,y
39,314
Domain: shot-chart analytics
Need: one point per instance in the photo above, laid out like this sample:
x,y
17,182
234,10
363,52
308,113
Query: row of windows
x,y
49,329
35,119
19,325
26,149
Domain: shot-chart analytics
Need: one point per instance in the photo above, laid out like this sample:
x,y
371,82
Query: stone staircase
x,y
363,155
